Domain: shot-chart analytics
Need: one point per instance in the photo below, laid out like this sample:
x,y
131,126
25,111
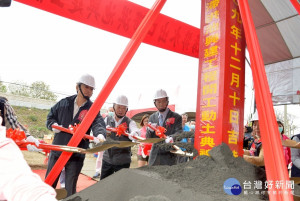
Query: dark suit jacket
x,y
62,114
157,155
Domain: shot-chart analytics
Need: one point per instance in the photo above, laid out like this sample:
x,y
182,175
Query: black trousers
x,y
295,172
108,169
72,170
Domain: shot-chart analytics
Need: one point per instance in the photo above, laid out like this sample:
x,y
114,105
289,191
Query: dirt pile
x,y
200,179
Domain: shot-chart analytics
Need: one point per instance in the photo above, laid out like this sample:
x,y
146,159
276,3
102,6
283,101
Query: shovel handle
x,y
44,146
115,130
150,126
160,131
89,137
135,137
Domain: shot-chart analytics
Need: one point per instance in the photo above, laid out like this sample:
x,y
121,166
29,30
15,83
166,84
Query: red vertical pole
x,y
296,5
271,142
220,101
120,67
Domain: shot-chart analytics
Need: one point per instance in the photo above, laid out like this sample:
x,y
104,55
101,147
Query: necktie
x,y
161,120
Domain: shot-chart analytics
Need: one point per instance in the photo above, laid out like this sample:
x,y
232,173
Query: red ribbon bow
x,y
170,121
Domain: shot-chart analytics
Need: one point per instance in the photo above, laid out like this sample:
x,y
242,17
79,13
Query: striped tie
x,y
161,120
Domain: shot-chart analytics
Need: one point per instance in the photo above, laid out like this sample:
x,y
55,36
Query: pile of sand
x,y
200,179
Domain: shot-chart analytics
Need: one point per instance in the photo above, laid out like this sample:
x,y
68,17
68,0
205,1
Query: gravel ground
x,y
35,159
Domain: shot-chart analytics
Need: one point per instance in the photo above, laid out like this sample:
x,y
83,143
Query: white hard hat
x,y
160,94
255,116
87,80
122,100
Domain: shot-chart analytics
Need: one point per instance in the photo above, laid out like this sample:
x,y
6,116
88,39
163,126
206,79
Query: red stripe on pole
x,y
123,17
296,5
271,142
120,67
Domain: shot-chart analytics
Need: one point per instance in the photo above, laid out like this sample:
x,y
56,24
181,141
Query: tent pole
x,y
273,152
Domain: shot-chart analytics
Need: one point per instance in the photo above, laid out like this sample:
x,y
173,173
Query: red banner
x,y
220,102
123,17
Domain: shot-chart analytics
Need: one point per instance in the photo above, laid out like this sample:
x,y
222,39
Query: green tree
x,y
3,88
19,88
40,90
290,121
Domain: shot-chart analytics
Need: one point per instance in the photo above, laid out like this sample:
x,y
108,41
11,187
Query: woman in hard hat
x,y
255,155
168,119
70,111
115,158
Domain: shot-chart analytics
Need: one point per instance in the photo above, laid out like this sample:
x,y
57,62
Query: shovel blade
x,y
101,147
295,179
124,144
61,193
151,140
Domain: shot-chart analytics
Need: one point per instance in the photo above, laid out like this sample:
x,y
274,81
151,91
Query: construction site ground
x,y
36,161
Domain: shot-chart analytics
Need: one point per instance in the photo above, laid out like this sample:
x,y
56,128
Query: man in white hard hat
x,y
168,119
70,111
115,159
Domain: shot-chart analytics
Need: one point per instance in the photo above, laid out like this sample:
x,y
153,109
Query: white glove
x,y
99,138
108,132
153,125
133,134
32,147
169,139
56,130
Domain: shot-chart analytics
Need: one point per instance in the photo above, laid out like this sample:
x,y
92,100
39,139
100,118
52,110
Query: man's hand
x,y
169,139
133,134
56,130
99,138
154,125
32,147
